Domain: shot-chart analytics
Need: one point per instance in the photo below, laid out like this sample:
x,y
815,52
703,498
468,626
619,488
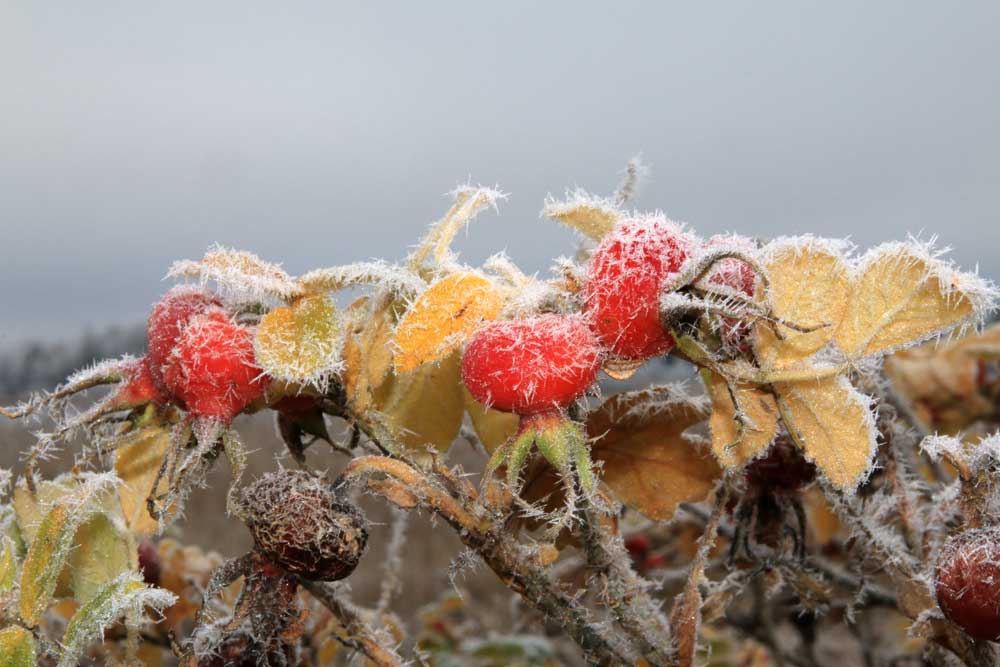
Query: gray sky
x,y
316,134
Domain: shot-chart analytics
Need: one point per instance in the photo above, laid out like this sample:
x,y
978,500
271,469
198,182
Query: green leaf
x,y
125,596
54,537
17,648
8,564
101,555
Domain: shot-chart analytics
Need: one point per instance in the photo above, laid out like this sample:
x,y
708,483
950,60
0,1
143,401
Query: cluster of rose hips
x,y
199,358
537,367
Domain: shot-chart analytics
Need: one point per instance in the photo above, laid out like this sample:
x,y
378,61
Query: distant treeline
x,y
39,365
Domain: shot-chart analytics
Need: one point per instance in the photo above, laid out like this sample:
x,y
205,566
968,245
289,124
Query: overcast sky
x,y
133,134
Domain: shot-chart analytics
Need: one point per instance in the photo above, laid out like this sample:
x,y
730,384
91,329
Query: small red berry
x,y
624,280
967,579
638,545
212,368
149,562
168,320
530,366
736,275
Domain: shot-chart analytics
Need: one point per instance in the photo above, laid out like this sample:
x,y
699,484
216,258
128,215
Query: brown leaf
x,y
137,462
648,463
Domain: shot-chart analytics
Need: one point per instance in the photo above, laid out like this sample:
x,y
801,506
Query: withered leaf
x,y
733,446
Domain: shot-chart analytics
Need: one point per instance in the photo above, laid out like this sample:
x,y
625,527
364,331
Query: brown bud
x,y
301,524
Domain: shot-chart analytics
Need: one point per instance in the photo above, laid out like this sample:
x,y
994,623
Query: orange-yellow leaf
x,y
735,445
443,318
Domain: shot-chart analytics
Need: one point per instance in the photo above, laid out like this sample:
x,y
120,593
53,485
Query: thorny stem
x,y
360,636
633,608
510,560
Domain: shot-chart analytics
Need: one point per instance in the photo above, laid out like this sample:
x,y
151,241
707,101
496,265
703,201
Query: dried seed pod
x,y
301,524
967,579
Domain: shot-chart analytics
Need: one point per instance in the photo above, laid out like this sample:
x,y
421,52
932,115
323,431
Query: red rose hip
x,y
625,277
534,365
967,579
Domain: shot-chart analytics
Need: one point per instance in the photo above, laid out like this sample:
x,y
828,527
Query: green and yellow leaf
x,y
301,342
17,648
492,426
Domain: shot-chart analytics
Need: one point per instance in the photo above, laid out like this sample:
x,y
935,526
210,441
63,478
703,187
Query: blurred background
x,y
313,134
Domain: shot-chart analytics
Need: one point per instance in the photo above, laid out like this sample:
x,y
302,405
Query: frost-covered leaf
x,y
492,426
833,424
54,537
367,351
902,294
735,446
300,343
137,462
809,287
443,318
424,408
17,648
8,564
590,215
382,274
124,596
241,277
469,202
100,555
648,462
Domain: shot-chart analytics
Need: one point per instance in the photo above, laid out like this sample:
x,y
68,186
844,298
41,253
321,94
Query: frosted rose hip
x,y
967,580
625,277
534,365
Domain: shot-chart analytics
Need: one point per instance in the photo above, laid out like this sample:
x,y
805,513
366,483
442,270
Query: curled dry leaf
x,y
833,424
947,386
367,351
734,444
469,202
443,318
902,294
648,462
809,287
592,216
241,276
300,343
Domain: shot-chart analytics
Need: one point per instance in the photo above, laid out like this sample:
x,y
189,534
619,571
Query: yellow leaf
x,y
17,648
137,463
833,424
424,408
590,215
732,446
809,287
367,354
900,296
300,343
492,426
443,318
648,463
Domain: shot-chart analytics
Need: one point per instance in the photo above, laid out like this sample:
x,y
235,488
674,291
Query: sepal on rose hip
x,y
561,441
